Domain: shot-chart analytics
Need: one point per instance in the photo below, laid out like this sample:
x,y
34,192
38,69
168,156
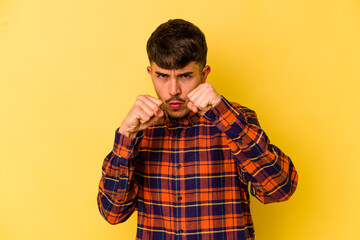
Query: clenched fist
x,y
203,98
145,111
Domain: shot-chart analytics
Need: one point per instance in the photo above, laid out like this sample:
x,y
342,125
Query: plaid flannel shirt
x,y
189,178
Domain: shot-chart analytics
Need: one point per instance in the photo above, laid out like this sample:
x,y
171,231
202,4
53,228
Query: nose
x,y
174,87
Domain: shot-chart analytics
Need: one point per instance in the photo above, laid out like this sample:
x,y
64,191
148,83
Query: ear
x,y
205,72
149,70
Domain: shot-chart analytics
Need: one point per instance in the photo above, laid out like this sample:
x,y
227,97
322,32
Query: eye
x,y
162,76
185,76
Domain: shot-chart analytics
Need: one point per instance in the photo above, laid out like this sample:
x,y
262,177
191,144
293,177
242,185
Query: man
x,y
186,159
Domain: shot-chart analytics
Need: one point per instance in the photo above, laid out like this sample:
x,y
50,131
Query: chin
x,y
178,114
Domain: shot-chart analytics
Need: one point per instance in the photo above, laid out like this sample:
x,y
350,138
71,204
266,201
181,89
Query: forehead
x,y
190,67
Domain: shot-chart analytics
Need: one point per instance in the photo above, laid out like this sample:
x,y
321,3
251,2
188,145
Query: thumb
x,y
159,113
150,122
192,107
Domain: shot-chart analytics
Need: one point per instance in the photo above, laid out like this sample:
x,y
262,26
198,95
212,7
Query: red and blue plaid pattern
x,y
189,178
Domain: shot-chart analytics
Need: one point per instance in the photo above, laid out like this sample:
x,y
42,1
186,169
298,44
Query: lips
x,y
175,105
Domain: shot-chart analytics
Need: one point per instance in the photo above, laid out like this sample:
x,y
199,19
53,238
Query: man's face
x,y
172,86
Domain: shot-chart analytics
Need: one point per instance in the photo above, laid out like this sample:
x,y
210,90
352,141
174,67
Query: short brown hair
x,y
176,43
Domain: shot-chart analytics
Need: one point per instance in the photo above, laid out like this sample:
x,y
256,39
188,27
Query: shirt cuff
x,y
124,146
224,114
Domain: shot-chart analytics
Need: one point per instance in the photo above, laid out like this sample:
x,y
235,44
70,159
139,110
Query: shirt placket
x,y
178,198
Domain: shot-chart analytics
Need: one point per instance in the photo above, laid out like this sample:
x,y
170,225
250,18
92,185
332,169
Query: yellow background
x,y
70,71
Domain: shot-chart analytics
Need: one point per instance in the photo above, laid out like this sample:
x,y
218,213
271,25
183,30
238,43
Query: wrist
x,y
217,100
127,133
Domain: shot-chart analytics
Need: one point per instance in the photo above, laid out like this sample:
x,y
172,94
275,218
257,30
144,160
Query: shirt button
x,y
216,117
123,175
179,198
128,147
180,231
178,166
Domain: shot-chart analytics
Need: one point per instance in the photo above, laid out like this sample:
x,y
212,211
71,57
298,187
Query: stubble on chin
x,y
178,114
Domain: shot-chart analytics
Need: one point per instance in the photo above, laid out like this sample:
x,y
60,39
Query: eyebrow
x,y
160,73
179,75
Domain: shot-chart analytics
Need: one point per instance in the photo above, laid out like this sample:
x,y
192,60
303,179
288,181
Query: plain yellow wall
x,y
70,70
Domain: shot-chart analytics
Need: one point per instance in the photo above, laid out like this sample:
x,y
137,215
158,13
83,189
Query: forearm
x,y
270,171
117,188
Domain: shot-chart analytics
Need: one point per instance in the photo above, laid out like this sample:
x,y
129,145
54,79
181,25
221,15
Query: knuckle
x,y
137,104
155,109
208,85
140,97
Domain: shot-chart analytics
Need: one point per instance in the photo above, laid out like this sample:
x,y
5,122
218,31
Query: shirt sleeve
x,y
118,187
271,173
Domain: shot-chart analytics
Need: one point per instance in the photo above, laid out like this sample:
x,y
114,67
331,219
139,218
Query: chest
x,y
197,155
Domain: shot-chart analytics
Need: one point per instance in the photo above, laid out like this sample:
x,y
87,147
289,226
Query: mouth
x,y
175,105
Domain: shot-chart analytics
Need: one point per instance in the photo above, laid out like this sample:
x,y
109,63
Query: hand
x,y
145,111
203,98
